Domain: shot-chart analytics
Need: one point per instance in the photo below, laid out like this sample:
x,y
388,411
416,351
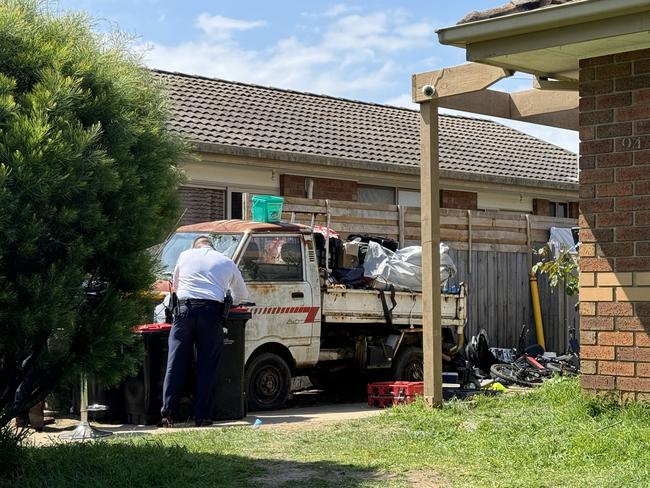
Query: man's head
x,y
202,241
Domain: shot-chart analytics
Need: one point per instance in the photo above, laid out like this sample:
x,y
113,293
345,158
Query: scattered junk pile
x,y
529,365
491,369
377,263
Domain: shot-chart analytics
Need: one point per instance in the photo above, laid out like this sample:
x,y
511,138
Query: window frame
x,y
252,236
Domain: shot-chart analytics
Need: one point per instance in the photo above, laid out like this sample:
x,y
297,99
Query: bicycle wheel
x,y
515,374
561,367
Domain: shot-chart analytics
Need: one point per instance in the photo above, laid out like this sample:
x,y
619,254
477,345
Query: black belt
x,y
200,301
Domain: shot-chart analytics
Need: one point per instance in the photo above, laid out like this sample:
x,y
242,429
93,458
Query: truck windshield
x,y
226,244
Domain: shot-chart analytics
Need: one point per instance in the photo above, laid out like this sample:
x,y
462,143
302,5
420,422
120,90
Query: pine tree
x,y
88,181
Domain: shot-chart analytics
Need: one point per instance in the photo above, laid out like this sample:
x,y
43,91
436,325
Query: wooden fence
x,y
492,252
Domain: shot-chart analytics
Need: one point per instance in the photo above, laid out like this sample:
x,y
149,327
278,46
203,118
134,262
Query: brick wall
x,y
541,207
615,224
295,186
458,199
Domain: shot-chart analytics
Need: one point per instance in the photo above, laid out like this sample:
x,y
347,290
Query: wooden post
x,y
469,240
430,217
401,225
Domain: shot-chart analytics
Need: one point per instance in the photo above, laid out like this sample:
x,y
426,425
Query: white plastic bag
x,y
403,269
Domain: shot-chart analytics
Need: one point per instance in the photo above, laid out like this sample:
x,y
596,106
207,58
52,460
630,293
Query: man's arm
x,y
238,288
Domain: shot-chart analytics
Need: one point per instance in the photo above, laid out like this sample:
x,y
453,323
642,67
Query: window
x,y
272,258
376,194
236,205
558,209
409,198
224,243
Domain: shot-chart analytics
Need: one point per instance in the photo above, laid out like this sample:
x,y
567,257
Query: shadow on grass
x,y
150,463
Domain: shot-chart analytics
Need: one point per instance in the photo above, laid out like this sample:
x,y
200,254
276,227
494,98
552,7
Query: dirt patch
x,y
426,479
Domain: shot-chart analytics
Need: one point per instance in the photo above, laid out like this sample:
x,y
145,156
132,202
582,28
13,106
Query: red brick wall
x,y
541,207
615,224
295,186
292,186
458,199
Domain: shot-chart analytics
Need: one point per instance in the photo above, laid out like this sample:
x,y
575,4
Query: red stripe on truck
x,y
312,312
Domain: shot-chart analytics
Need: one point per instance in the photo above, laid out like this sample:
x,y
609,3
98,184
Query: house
x,y
255,139
600,48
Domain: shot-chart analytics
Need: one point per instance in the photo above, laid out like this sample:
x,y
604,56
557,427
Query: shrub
x,y
87,183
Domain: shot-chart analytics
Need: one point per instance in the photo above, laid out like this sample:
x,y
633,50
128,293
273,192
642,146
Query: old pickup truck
x,y
301,326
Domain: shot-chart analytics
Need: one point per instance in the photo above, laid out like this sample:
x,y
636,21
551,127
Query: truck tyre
x,y
409,365
268,380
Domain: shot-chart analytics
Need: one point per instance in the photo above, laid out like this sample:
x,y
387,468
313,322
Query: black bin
x,y
229,401
143,393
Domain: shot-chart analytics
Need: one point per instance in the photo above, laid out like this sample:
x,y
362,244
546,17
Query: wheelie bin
x,y
229,400
143,393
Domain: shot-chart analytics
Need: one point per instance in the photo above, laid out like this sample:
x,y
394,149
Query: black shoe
x,y
203,422
166,422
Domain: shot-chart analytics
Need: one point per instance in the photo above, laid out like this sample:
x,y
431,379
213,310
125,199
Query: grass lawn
x,y
551,437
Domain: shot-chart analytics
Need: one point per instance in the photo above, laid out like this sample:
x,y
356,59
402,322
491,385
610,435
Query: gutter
x,y
330,161
539,20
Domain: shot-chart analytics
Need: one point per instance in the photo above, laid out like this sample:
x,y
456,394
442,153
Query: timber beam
x,y
463,88
465,78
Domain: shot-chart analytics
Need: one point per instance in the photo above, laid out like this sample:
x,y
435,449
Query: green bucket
x,y
267,208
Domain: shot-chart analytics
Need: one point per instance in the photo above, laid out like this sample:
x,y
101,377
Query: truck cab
x,y
278,263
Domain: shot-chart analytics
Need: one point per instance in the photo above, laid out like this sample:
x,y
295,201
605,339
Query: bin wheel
x,y
268,380
409,365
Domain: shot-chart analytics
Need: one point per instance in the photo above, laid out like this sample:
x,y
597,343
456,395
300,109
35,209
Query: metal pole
x,y
84,431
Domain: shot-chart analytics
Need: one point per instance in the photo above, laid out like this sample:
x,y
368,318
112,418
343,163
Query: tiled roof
x,y
227,113
512,7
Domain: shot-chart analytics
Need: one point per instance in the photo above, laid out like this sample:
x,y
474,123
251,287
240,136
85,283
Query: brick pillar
x,y
615,224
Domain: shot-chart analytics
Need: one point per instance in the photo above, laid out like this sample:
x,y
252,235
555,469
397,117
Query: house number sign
x,y
631,143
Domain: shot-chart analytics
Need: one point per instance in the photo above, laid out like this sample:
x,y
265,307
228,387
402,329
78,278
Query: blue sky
x,y
363,50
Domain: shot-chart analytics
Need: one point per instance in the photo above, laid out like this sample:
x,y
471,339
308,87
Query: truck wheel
x,y
409,365
268,380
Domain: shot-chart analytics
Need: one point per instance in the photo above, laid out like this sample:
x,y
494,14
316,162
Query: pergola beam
x,y
553,108
465,78
463,88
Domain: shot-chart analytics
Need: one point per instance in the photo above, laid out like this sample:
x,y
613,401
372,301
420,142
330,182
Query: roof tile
x,y
229,113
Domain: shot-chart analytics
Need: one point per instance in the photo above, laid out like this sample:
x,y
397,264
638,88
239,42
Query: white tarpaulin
x,y
561,238
403,269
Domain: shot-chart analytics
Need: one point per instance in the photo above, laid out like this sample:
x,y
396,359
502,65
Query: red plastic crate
x,y
388,401
388,393
396,388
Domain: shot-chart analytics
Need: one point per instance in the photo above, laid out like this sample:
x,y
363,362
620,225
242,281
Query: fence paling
x,y
495,230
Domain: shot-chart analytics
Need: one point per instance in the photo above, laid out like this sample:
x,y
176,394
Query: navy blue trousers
x,y
200,324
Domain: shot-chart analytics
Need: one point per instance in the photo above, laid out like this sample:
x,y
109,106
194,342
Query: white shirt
x,y
205,274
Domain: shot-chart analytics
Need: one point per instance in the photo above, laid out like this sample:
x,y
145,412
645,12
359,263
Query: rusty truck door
x,y
275,270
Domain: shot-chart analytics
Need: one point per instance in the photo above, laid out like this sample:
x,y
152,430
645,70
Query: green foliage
x,y
563,269
11,451
87,183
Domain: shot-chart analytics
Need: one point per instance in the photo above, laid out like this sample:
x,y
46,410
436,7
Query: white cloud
x,y
403,100
352,55
220,27
338,9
